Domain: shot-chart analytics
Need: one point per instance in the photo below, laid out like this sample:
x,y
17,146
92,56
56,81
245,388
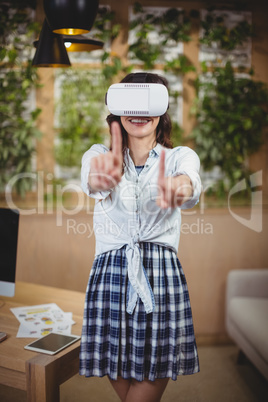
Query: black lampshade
x,y
71,17
80,43
51,51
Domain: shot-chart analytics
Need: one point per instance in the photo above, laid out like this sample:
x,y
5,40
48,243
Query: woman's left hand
x,y
172,191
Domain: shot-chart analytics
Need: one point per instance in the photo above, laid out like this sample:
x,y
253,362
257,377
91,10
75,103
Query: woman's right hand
x,y
106,169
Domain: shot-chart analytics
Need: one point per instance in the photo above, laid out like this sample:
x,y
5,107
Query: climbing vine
x,y
231,115
215,31
18,132
230,106
172,26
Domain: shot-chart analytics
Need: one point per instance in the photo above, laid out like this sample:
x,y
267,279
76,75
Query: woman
x,y
138,326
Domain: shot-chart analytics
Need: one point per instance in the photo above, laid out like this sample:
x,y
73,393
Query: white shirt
x,y
128,214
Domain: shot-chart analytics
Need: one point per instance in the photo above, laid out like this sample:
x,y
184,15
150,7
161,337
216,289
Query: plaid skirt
x,y
156,345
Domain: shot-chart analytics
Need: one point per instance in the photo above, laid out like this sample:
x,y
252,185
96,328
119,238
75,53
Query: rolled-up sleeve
x,y
94,151
188,163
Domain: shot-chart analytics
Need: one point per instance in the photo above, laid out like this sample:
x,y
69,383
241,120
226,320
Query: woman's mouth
x,y
138,121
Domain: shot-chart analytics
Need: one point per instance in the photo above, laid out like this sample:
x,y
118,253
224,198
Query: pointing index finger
x,y
161,175
116,140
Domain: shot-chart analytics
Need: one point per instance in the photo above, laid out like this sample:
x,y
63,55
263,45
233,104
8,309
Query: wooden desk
x,y
38,374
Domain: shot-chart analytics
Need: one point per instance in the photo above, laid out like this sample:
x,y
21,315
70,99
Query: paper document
x,y
40,320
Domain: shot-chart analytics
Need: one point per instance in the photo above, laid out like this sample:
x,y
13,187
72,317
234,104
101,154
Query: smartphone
x,y
3,336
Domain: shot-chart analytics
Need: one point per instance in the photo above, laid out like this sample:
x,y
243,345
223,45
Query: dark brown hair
x,y
163,130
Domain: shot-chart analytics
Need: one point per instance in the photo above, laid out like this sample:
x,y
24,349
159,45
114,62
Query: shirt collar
x,y
154,153
156,150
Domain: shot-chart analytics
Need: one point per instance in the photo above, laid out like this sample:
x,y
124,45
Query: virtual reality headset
x,y
137,99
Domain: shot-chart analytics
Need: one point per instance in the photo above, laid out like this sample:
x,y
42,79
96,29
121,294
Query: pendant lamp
x,y
71,17
80,43
51,51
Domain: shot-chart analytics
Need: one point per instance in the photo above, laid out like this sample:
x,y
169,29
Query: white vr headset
x,y
137,99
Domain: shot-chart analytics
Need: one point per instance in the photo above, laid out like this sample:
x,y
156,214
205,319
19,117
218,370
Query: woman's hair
x,y
163,130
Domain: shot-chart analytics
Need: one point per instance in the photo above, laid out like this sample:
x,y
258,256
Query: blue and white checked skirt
x,y
156,345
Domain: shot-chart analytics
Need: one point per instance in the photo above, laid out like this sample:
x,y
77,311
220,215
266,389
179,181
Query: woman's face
x,y
140,127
